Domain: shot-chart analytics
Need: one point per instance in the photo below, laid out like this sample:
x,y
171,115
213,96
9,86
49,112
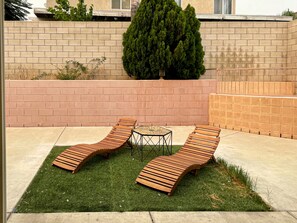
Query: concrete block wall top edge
x,y
256,96
120,80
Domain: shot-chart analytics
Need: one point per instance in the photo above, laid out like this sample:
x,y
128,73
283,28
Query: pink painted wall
x,y
103,102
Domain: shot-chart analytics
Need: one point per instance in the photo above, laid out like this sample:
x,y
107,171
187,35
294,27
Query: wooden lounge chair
x,y
76,156
164,172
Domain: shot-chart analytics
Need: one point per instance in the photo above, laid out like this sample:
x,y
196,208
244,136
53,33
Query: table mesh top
x,y
151,130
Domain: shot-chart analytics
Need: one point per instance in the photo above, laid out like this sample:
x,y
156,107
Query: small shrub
x,y
71,71
74,70
41,76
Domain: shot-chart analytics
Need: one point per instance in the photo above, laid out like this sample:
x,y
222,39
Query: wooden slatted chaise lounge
x,y
75,157
165,172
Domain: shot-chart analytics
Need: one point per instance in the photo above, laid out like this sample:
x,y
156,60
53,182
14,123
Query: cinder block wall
x,y
258,45
275,116
40,46
256,88
102,103
292,52
35,47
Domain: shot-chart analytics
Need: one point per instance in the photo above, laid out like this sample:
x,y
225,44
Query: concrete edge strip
x,y
59,136
13,210
151,216
292,215
231,134
8,216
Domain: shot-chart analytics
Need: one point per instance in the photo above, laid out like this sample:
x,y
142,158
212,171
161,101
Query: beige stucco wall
x,y
103,4
98,5
201,6
205,6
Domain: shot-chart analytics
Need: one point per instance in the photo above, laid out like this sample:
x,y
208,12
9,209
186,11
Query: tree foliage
x,y
290,13
163,37
16,9
63,11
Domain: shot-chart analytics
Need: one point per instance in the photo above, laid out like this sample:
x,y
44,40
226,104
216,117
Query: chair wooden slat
x,y
164,173
74,157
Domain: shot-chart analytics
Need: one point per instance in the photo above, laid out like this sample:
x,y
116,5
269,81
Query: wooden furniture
x,y
76,156
164,172
152,139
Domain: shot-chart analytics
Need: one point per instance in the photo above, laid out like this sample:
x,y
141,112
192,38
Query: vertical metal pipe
x,y
2,120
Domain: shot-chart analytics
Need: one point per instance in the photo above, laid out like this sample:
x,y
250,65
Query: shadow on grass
x,y
109,185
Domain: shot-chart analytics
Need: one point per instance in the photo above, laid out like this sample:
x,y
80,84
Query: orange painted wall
x,y
275,116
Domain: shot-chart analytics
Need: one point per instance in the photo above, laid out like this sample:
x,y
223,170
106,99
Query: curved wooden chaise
x,y
76,156
165,172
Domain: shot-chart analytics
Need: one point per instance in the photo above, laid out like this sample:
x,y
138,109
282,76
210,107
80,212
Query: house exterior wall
x,y
204,6
103,4
201,6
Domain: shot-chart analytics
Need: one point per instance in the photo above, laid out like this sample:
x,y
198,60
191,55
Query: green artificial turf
x,y
109,185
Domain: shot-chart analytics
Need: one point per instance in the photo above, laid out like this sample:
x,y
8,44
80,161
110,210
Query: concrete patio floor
x,y
270,161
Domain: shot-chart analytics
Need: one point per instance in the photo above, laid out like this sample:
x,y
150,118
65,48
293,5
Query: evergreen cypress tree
x,y
16,9
163,37
188,55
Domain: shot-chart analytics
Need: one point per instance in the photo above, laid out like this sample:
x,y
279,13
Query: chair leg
x,y
129,144
131,147
213,159
106,155
195,172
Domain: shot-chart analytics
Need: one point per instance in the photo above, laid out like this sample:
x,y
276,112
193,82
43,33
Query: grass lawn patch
x,y
109,185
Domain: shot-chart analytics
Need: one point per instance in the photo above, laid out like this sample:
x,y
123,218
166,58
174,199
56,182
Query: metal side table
x,y
151,139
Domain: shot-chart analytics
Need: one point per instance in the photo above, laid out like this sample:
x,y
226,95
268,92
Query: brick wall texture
x,y
256,88
275,116
268,48
35,47
103,102
292,51
256,45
